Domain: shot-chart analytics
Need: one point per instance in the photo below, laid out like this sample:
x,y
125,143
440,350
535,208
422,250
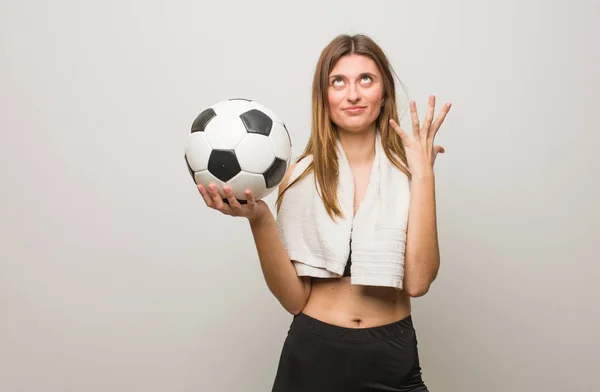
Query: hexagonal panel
x,y
223,164
225,132
206,178
256,121
275,173
233,107
281,142
255,153
245,180
197,151
202,120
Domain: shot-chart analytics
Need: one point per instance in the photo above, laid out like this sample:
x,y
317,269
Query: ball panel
x,y
197,151
255,153
223,164
266,111
267,192
275,173
256,121
206,178
233,108
243,181
288,133
202,120
189,168
225,132
281,142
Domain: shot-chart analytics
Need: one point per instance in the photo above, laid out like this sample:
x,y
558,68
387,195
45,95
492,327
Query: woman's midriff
x,y
336,301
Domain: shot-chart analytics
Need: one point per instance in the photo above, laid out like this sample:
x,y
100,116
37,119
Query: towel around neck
x,y
319,246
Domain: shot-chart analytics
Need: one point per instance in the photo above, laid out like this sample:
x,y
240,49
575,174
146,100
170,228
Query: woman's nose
x,y
353,94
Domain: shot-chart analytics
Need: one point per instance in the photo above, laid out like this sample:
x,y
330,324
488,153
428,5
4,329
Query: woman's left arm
x,y
422,255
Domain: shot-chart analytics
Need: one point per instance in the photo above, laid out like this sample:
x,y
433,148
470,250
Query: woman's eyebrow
x,y
360,75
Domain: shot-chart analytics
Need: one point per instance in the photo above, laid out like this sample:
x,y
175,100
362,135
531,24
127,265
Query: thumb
x,y
438,150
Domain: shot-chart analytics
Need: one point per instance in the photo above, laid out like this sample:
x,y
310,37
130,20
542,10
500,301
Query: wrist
x,y
424,173
260,218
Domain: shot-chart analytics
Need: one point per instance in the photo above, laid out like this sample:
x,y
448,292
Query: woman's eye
x,y
366,79
338,82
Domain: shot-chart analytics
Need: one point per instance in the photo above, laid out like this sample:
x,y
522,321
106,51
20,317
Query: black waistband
x,y
356,335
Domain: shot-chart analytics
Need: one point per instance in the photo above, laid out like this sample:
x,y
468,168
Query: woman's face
x,y
355,93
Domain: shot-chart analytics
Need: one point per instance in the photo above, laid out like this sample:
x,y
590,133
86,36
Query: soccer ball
x,y
241,144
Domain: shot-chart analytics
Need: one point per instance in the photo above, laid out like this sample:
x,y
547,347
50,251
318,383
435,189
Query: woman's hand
x,y
419,147
253,210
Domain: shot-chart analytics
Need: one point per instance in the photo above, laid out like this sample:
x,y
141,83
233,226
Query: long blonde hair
x,y
323,138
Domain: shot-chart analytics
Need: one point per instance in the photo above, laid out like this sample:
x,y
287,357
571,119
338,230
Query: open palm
x,y
419,145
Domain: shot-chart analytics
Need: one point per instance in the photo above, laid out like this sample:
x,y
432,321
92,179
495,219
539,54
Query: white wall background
x,y
114,276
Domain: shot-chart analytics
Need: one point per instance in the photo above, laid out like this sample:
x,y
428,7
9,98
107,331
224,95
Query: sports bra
x,y
349,262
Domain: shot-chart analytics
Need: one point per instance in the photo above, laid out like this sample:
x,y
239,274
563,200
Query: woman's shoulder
x,y
286,177
294,171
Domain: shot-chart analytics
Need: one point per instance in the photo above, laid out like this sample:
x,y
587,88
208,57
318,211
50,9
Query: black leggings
x,y
321,357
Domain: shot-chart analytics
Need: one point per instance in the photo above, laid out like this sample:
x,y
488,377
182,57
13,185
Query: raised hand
x,y
252,209
419,145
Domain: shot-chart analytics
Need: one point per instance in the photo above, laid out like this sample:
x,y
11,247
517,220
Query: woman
x,y
347,335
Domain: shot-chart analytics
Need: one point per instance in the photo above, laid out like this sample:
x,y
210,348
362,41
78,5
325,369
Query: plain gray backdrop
x,y
114,276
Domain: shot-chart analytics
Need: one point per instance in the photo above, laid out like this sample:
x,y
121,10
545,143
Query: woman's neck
x,y
359,147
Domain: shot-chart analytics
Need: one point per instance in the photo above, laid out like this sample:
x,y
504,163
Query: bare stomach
x,y
336,301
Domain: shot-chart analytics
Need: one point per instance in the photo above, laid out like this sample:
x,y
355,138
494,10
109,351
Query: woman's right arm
x,y
291,290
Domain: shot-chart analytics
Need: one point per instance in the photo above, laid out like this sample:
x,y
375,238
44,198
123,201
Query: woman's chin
x,y
356,126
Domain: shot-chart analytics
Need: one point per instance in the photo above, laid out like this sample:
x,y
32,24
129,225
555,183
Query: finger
x,y
250,198
438,150
250,201
216,199
414,118
440,118
403,135
205,195
429,116
234,204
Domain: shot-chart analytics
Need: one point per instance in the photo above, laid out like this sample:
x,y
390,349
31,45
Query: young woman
x,y
356,236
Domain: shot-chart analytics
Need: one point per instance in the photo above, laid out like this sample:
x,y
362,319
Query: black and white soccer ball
x,y
239,143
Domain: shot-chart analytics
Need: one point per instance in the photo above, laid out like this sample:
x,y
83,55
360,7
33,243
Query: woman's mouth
x,y
355,109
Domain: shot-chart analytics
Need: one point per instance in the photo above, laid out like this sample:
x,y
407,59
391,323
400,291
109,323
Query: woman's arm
x,y
291,290
280,275
422,256
422,259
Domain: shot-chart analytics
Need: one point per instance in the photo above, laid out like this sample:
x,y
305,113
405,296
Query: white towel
x,y
320,246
